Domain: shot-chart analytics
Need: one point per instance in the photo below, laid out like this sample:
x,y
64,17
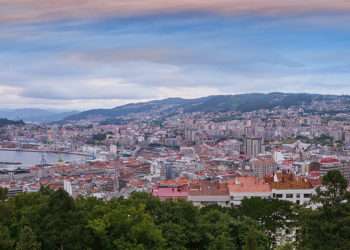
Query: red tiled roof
x,y
248,184
204,188
289,181
328,160
168,192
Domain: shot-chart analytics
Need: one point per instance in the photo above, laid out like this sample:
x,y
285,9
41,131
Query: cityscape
x,y
282,151
175,125
206,158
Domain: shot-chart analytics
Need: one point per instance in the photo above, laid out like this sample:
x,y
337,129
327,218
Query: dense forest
x,y
53,220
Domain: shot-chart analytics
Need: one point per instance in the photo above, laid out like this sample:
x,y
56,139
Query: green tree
x,y
53,220
214,225
3,194
6,242
250,243
61,224
328,227
178,220
287,246
333,191
222,242
271,215
27,240
123,227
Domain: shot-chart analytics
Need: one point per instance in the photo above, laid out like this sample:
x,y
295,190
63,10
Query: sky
x,y
81,54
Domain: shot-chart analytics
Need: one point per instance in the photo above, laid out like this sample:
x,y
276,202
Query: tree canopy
x,y
54,220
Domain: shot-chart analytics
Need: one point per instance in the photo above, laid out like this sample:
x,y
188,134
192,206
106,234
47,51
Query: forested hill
x,y
51,220
35,115
221,103
6,122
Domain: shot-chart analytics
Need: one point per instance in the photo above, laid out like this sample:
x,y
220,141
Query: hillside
x,y
220,103
6,122
35,115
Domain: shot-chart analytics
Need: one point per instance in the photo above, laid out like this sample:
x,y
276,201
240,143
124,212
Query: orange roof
x,y
289,181
204,188
179,182
248,184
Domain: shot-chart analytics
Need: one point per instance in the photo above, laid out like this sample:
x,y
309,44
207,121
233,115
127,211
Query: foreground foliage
x,y
53,220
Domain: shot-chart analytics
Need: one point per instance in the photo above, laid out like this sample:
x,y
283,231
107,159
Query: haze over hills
x,y
6,122
220,103
35,115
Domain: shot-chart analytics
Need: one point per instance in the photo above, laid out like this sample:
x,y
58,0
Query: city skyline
x,y
77,55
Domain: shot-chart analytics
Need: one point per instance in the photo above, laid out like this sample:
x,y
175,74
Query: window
x,y
279,196
298,202
298,195
289,196
307,195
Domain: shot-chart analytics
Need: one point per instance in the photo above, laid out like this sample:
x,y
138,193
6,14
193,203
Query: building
x,y
291,188
172,190
263,166
248,187
332,163
204,193
252,146
346,170
67,186
329,164
170,172
13,191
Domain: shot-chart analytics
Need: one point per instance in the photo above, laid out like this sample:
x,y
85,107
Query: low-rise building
x,y
248,187
291,188
203,193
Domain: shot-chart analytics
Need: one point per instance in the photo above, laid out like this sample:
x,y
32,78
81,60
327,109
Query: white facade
x,y
203,200
237,198
67,185
297,196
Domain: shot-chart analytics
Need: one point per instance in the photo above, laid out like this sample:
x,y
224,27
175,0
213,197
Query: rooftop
x,y
167,192
288,181
248,184
208,188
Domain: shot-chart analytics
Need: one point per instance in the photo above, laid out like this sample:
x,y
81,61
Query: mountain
x,y
133,108
35,115
6,122
219,103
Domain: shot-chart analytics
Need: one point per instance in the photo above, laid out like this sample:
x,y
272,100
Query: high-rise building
x,y
252,146
169,171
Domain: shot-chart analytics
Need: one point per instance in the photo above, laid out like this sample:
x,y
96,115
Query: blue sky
x,y
104,60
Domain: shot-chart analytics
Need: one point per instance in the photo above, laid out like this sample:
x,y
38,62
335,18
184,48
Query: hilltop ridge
x,y
217,103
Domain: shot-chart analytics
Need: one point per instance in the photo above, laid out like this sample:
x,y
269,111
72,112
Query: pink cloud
x,y
42,10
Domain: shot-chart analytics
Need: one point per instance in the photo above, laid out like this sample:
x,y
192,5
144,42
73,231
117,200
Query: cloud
x,y
66,53
44,10
81,89
182,56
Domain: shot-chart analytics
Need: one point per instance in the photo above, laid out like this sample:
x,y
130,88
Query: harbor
x,y
13,159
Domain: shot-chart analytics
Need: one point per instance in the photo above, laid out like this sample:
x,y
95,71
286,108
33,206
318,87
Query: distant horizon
x,y
60,110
